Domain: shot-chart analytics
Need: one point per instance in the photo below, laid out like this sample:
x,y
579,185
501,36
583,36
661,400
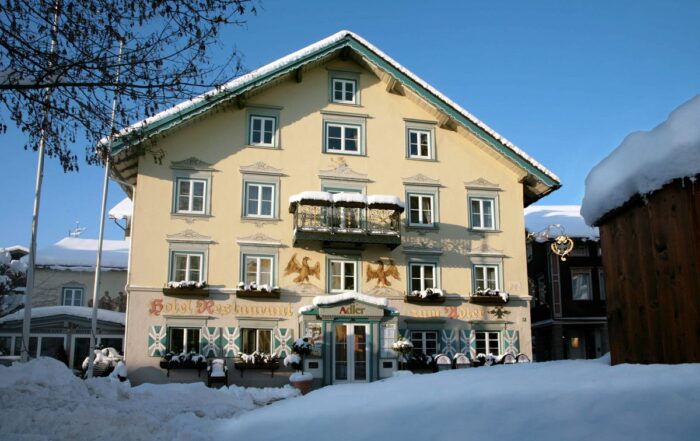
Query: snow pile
x,y
188,284
122,210
85,312
43,400
74,253
383,199
430,293
492,293
539,219
583,400
645,162
321,196
349,295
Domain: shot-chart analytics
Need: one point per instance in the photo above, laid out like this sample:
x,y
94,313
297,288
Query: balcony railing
x,y
347,217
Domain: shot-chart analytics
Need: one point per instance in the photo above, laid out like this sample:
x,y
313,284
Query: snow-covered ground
x,y
565,400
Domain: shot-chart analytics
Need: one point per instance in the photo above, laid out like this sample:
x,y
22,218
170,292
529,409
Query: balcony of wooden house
x,y
346,217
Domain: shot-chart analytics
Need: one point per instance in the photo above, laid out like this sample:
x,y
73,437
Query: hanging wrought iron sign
x,y
562,245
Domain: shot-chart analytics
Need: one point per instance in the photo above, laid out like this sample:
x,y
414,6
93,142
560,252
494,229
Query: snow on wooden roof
x,y
84,312
645,162
539,217
122,210
75,253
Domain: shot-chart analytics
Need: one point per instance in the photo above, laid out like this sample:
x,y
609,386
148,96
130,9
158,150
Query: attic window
x,y
344,91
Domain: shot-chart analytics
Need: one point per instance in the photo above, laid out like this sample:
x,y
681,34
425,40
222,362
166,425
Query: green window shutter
x,y
282,340
511,342
157,341
448,342
464,341
230,341
472,344
209,341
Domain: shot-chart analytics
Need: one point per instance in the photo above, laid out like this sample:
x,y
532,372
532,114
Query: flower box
x,y
489,297
430,295
198,289
175,362
272,365
258,294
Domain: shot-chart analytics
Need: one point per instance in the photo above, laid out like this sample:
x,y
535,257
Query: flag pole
x,y
106,152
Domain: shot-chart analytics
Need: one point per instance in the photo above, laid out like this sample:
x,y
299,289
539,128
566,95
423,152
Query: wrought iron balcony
x,y
346,217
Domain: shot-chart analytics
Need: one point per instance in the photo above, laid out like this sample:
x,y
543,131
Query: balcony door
x,y
344,217
350,354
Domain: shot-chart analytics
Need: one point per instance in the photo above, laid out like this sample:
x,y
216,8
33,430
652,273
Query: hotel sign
x,y
216,308
355,309
453,312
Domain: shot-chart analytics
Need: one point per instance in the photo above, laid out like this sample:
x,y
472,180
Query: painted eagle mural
x,y
383,272
303,269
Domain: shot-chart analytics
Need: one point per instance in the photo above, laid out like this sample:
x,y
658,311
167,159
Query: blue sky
x,y
564,80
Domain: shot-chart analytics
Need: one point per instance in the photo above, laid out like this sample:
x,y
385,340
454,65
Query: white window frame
x,y
262,120
424,339
582,271
73,290
343,138
258,259
260,186
420,197
486,338
342,275
257,339
184,337
481,202
422,279
485,267
191,182
188,255
344,82
419,133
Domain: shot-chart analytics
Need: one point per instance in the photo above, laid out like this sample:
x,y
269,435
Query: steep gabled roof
x,y
186,110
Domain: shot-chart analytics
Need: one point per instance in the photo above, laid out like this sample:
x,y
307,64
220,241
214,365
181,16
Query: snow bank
x,y
645,162
567,400
81,254
43,400
539,217
76,311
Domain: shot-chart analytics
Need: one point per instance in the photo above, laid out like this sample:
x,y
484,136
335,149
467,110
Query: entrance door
x,y
350,358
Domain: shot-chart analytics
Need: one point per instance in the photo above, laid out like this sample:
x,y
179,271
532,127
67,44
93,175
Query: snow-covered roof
x,y
122,210
21,248
539,217
324,196
645,162
197,105
85,312
350,295
80,254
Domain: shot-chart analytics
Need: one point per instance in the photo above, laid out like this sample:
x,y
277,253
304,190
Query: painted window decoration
x,y
422,276
485,277
262,130
488,343
344,91
425,342
421,210
258,270
259,200
187,267
191,196
183,340
581,286
343,275
483,213
72,297
419,144
342,138
601,283
256,340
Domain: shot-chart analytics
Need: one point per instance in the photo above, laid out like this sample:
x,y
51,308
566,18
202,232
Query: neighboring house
x,y
330,194
645,198
568,308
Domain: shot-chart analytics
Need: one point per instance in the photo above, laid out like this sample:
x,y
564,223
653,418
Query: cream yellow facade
x,y
216,148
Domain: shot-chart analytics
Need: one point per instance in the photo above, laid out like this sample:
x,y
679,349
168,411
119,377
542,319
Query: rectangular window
x,y
601,283
257,340
344,91
343,275
425,341
581,288
343,138
423,276
191,196
485,277
420,210
262,130
258,270
420,144
482,213
187,267
580,250
488,343
259,200
72,297
183,340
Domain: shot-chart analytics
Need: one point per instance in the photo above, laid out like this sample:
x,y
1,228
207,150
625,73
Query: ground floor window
x,y
425,342
183,340
488,343
257,340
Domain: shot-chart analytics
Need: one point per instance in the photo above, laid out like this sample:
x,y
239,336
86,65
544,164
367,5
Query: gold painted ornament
x,y
562,246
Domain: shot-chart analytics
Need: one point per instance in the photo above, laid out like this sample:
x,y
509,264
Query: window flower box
x,y
489,297
430,295
184,288
256,361
183,361
254,291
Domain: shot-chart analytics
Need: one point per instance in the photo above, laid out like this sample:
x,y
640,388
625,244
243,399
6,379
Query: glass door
x,y
350,358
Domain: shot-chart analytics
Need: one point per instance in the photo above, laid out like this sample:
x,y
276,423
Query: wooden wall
x,y
651,259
